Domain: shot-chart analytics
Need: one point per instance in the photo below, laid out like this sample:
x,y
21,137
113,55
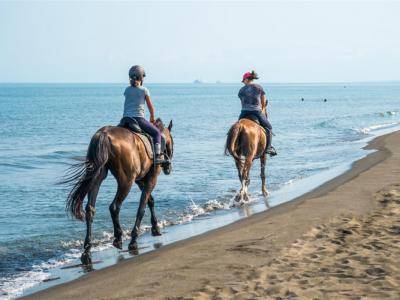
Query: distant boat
x,y
218,82
198,81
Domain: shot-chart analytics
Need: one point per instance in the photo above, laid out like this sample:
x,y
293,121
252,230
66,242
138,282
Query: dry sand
x,y
341,241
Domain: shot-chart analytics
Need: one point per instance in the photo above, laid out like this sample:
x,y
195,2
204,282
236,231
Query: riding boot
x,y
160,160
270,149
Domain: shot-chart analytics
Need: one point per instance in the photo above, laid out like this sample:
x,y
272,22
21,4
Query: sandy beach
x,y
338,241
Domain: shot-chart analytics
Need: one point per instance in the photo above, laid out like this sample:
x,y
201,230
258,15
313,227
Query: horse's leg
x,y
148,187
123,190
155,230
242,193
246,176
86,257
263,160
239,167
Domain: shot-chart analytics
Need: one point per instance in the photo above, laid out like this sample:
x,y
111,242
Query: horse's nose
x,y
167,169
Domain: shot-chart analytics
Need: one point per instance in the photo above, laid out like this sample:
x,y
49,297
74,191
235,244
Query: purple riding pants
x,y
150,129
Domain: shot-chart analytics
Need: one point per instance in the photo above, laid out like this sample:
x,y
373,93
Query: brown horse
x,y
247,141
123,153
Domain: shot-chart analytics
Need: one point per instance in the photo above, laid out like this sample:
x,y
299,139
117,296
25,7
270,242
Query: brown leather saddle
x,y
254,119
134,127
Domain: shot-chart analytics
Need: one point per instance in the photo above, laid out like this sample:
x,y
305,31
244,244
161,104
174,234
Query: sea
x,y
320,130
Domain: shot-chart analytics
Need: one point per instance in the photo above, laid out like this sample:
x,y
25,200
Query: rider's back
x,y
250,97
135,98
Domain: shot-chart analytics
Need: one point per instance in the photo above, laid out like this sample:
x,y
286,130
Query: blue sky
x,y
181,41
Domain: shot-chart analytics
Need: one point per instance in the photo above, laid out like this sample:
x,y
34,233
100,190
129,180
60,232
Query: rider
x,y
135,97
254,103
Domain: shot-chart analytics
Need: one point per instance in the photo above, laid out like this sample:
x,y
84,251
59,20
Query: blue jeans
x,y
262,118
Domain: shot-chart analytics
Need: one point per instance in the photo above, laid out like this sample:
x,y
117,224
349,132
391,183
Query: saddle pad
x,y
147,144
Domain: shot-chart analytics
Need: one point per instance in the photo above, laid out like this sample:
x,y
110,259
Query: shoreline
x,y
189,265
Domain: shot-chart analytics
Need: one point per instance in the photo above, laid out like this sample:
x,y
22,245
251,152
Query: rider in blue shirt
x,y
254,103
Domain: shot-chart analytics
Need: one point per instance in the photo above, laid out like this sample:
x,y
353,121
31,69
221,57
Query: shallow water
x,y
47,127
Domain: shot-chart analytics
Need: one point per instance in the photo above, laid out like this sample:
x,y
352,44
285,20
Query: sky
x,y
183,41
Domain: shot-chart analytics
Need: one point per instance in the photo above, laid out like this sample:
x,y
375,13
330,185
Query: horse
x,y
247,141
118,150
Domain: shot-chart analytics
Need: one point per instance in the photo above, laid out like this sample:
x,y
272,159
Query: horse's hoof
x,y
117,243
238,198
155,231
133,248
86,258
265,193
237,202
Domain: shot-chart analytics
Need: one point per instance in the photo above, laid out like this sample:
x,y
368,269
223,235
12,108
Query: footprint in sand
x,y
376,272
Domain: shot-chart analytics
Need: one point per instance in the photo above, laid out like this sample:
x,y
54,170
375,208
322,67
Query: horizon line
x,y
201,82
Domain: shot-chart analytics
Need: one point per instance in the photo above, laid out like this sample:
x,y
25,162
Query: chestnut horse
x,y
123,153
247,141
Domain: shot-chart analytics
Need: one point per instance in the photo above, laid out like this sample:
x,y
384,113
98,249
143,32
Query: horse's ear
x,y
170,126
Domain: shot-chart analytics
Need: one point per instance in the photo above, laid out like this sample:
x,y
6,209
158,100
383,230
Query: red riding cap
x,y
247,75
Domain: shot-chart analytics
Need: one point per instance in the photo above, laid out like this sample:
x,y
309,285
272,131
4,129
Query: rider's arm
x,y
264,104
150,107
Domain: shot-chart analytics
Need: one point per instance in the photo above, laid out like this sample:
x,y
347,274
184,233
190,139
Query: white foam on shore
x,y
366,130
15,286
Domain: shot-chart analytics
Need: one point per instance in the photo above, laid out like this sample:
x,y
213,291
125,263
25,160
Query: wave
x,y
75,155
332,122
387,113
324,124
18,166
367,130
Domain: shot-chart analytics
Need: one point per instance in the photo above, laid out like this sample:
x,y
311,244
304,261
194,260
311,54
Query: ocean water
x,y
46,127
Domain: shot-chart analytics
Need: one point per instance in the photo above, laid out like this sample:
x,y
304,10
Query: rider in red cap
x,y
254,104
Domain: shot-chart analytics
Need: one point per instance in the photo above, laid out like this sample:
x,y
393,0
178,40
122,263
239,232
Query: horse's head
x,y
169,144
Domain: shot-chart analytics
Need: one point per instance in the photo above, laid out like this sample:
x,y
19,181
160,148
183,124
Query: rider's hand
x,y
152,119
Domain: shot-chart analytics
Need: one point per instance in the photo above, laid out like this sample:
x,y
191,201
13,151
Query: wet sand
x,y
338,241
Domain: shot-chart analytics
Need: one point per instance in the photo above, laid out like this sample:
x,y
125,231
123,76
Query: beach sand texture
x,y
348,257
340,241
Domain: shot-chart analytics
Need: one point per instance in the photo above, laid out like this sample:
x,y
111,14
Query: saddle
x,y
255,119
252,118
147,140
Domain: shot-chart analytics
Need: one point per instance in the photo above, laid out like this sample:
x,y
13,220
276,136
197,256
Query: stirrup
x,y
160,160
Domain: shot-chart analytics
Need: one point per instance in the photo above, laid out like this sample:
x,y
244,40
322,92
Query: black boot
x,y
160,159
270,149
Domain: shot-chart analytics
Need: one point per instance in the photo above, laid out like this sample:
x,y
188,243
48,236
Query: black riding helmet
x,y
137,73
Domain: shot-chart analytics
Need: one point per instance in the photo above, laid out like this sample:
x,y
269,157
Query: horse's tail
x,y
232,139
83,175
